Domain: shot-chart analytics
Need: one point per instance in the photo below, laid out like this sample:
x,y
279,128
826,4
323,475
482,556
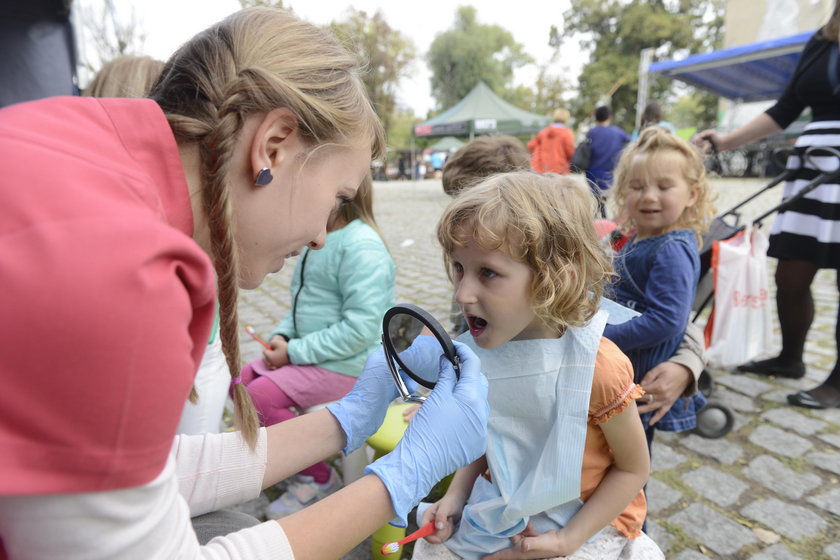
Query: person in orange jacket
x,y
552,147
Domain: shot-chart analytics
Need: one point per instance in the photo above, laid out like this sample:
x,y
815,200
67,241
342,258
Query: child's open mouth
x,y
476,324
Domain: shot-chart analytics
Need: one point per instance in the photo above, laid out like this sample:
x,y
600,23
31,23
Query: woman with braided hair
x,y
119,220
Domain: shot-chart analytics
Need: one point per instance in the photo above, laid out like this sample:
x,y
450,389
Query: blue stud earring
x,y
264,177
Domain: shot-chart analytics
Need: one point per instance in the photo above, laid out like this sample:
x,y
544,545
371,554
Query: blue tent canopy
x,y
754,72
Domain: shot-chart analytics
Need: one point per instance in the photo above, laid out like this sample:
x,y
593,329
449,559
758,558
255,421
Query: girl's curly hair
x,y
544,221
655,140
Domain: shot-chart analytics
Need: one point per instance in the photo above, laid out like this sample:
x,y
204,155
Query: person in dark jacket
x,y
607,142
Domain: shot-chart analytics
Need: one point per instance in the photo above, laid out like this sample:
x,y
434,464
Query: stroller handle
x,y
780,157
825,176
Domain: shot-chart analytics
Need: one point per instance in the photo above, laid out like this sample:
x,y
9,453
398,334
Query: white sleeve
x,y
149,522
219,470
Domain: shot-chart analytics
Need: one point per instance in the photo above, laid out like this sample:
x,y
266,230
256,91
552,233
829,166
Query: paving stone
x,y
773,474
776,552
660,496
827,461
715,531
735,401
666,436
831,439
830,501
719,487
792,420
745,383
792,521
778,396
660,536
664,457
814,350
741,420
779,441
833,551
812,377
689,554
721,450
830,415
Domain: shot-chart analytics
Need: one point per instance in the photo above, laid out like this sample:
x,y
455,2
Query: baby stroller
x,y
715,420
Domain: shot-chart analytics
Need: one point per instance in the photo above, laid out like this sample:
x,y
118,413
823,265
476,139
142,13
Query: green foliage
x,y
616,31
692,110
399,131
469,52
384,52
548,93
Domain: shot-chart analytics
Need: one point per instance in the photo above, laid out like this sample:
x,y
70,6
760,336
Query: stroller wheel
x,y
714,421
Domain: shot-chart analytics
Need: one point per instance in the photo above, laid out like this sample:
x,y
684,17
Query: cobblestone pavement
x,y
766,491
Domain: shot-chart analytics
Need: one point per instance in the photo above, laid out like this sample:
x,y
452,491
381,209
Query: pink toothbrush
x,y
424,531
250,330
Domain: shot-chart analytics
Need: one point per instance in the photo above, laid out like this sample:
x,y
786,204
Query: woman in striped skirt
x,y
805,236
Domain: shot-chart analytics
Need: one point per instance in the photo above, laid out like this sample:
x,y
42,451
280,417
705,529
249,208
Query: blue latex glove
x,y
361,411
448,432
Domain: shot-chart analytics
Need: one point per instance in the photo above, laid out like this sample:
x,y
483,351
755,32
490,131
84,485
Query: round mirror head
x,y
414,342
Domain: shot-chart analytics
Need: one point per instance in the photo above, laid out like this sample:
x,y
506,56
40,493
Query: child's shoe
x,y
302,492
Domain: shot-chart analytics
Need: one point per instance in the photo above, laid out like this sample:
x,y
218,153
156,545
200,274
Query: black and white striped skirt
x,y
810,228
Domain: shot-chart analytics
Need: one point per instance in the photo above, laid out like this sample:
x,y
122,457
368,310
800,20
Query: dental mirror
x,y
414,342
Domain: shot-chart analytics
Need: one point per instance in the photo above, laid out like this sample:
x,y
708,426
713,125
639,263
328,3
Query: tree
x,y
469,52
615,32
402,125
691,111
386,54
109,33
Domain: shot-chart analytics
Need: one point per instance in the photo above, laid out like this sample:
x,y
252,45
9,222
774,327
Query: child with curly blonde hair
x,y
661,185
566,458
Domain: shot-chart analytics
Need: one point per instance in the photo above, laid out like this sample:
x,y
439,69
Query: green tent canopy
x,y
446,144
481,112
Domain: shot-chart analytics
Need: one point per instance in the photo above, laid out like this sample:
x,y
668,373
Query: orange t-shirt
x,y
612,390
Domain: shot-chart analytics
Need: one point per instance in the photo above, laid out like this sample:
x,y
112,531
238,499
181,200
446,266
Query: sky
x,y
168,23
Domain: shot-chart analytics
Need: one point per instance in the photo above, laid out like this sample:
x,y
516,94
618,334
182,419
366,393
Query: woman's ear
x,y
271,144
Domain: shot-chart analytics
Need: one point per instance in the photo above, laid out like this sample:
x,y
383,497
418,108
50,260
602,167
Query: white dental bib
x,y
539,407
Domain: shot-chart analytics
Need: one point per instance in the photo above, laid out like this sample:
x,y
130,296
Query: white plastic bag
x,y
740,326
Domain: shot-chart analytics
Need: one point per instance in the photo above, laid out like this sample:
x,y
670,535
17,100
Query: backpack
x,y
583,153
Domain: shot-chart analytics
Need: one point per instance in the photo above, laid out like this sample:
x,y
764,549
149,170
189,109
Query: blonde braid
x,y
216,149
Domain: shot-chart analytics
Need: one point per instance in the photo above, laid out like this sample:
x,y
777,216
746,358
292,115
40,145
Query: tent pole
x,y
646,56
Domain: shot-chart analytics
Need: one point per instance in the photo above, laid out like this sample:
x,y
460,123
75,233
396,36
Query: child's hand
x,y
410,412
278,356
530,544
445,513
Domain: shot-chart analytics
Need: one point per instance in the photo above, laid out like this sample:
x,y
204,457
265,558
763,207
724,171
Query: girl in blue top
x,y
661,185
339,295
